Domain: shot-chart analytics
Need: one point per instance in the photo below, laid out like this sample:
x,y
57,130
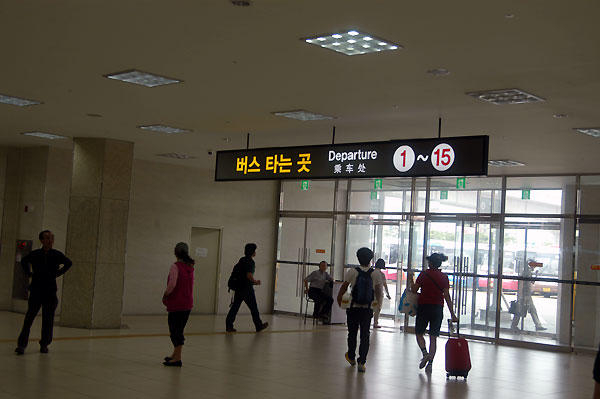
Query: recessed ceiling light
x,y
504,162
439,72
44,135
164,129
303,115
95,115
176,156
240,3
509,16
19,102
506,96
142,78
363,43
561,116
590,131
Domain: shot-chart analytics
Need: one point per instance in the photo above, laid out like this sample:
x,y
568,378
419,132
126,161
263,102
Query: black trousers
x,y
323,301
177,322
39,300
359,318
245,295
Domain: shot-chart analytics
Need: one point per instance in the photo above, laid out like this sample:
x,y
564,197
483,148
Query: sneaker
x,y
44,349
429,367
20,350
424,361
361,368
351,361
230,329
264,325
540,328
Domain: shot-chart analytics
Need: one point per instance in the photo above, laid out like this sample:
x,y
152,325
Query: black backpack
x,y
362,290
236,282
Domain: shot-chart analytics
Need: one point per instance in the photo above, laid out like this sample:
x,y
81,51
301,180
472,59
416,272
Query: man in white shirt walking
x,y
359,315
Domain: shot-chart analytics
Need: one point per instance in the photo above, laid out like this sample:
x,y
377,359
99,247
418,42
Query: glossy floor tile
x,y
289,360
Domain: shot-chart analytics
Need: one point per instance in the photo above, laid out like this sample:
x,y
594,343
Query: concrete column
x,y
97,233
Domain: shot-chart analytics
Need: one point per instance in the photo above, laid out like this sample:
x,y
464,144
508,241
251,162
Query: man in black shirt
x,y
45,268
245,267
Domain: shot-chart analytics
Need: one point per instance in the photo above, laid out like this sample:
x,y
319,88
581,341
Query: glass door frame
x,y
459,274
303,261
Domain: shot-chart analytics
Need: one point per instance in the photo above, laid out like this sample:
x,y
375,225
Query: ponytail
x,y
182,252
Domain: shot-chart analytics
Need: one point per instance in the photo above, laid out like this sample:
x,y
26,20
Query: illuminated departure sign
x,y
453,156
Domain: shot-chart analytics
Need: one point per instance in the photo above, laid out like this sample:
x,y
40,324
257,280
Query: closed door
x,y
205,250
303,243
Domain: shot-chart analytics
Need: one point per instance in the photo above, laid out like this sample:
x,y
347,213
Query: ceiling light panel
x,y
176,156
352,43
19,102
303,115
165,129
142,78
590,131
506,96
504,162
44,135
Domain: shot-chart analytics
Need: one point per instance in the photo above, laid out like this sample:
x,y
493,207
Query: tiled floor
x,y
289,360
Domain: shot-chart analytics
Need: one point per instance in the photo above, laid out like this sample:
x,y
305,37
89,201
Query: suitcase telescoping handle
x,y
451,329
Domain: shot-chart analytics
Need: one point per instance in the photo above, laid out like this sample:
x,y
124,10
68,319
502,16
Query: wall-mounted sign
x,y
461,183
304,185
378,184
526,194
595,267
320,251
444,194
453,156
373,195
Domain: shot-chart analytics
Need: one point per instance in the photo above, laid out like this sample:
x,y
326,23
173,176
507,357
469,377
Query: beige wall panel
x,y
83,229
117,169
77,300
108,295
10,194
88,157
167,201
112,231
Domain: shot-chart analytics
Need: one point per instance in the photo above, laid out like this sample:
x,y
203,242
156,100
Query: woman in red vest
x,y
179,300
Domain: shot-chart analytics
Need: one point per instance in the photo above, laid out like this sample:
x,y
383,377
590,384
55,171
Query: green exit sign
x,y
373,195
526,194
461,182
304,185
444,194
378,184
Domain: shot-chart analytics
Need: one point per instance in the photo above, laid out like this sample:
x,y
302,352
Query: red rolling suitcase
x,y
458,360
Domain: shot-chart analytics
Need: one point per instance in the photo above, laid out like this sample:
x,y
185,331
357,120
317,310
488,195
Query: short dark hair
x,y
364,256
249,249
436,259
380,264
41,235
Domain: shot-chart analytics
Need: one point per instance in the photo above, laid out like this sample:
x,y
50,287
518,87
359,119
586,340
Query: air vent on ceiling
x,y
504,162
506,96
142,78
19,102
302,115
164,129
176,156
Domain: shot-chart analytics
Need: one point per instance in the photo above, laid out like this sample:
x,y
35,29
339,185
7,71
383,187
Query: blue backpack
x,y
362,290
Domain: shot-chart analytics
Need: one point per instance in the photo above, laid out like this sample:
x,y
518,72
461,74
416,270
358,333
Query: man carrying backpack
x,y
359,314
242,282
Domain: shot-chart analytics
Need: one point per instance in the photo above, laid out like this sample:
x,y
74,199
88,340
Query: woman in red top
x,y
434,287
179,300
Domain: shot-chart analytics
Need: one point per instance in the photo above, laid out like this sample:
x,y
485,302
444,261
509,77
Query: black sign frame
x,y
468,155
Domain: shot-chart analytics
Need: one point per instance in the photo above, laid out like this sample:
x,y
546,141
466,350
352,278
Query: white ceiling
x,y
240,64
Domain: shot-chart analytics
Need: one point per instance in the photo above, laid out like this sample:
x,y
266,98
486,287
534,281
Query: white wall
x,y
166,202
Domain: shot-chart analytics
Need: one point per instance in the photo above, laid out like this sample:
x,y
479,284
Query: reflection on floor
x,y
289,360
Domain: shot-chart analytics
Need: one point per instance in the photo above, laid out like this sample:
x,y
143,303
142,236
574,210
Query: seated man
x,y
318,280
